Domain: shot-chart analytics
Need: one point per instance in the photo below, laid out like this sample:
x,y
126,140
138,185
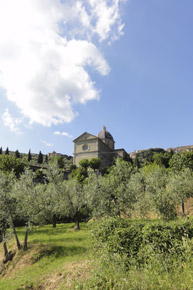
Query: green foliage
x,y
80,174
142,204
40,158
39,176
8,205
52,253
1,151
29,157
17,154
72,167
162,158
167,267
10,163
135,241
163,201
59,160
180,184
84,163
75,203
146,156
112,194
180,161
53,194
28,196
46,159
119,236
95,163
7,151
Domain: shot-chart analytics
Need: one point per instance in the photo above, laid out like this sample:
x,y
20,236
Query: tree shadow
x,y
57,252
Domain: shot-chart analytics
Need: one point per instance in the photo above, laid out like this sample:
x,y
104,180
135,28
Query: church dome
x,y
104,134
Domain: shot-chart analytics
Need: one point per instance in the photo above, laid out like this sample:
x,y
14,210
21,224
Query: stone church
x,y
101,146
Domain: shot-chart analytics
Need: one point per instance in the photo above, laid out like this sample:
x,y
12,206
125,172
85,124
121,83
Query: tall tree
x,y
29,157
8,205
54,177
40,158
7,151
181,184
75,203
17,154
29,200
163,200
1,150
111,194
46,159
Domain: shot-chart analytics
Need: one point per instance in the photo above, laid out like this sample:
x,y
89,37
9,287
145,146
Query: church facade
x,y
101,146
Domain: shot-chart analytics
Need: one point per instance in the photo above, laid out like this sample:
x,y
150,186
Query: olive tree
x,y
54,178
163,200
181,184
75,203
8,206
29,200
112,194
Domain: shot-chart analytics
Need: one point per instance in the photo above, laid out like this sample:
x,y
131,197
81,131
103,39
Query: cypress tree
x,y
40,158
1,150
29,158
46,159
7,151
17,154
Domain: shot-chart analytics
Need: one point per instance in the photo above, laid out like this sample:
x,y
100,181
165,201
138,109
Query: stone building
x,y
101,146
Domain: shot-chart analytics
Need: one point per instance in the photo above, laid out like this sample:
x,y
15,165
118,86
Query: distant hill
x,y
47,158
159,150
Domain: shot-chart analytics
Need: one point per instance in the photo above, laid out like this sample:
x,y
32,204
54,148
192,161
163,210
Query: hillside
x,y
56,258
33,160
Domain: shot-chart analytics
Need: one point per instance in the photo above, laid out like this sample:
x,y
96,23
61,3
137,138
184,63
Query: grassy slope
x,y
59,258
56,257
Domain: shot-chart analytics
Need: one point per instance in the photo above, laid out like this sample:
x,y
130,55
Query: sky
x,y
69,67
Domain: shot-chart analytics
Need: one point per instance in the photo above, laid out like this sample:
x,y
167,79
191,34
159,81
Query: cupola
x,y
107,138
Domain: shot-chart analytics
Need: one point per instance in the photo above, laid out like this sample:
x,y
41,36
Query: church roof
x,y
104,134
85,134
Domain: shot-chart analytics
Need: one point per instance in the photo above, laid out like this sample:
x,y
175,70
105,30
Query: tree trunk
x,y
183,209
5,248
77,225
15,234
4,243
25,239
1,236
54,220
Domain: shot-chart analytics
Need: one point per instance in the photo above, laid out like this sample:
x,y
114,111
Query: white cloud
x,y
95,17
11,122
45,49
107,18
48,144
63,134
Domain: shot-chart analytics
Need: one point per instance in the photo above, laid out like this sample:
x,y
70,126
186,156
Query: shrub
x,y
137,241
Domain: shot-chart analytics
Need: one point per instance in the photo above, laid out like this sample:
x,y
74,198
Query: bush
x,y
136,241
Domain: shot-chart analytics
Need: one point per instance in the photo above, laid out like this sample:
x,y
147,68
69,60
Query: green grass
x,y
62,258
52,253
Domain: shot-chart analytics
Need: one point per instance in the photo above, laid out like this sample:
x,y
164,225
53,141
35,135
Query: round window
x,y
85,147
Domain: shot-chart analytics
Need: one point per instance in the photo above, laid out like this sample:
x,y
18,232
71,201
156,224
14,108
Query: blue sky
x,y
77,68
